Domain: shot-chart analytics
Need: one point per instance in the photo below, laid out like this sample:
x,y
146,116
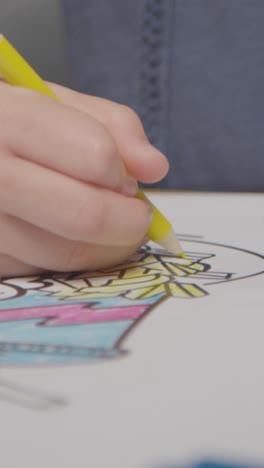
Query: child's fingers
x,y
37,128
143,161
10,266
70,208
33,246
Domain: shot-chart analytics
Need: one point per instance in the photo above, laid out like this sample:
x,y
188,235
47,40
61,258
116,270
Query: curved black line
x,y
20,292
225,245
152,306
122,338
149,309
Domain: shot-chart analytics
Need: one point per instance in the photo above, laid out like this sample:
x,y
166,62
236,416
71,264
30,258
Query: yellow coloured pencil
x,y
16,71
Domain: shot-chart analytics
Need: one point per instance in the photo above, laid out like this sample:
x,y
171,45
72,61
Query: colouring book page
x,y
151,363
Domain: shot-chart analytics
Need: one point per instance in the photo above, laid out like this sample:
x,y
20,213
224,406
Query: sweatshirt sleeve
x,y
194,72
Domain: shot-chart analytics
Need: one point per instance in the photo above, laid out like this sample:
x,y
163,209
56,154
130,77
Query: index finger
x,y
42,130
143,161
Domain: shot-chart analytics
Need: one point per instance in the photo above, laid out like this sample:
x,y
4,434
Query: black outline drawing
x,y
37,400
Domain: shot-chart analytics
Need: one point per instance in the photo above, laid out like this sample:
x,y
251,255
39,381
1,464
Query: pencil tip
x,y
171,244
182,255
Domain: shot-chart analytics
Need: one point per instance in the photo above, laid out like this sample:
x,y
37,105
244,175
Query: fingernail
x,y
130,187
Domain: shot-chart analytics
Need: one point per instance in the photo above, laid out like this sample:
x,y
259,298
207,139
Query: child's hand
x,y
68,179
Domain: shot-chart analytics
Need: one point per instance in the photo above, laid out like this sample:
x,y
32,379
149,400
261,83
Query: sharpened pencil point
x,y
170,243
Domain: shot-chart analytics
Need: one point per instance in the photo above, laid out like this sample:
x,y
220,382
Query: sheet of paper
x,y
155,363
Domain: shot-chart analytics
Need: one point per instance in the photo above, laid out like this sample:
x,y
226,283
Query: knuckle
x,y
73,257
126,114
104,148
63,255
6,119
107,166
8,177
87,219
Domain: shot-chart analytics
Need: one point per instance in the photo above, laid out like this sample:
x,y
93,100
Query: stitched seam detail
x,y
153,69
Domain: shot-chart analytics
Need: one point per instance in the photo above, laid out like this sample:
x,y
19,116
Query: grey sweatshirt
x,y
194,72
